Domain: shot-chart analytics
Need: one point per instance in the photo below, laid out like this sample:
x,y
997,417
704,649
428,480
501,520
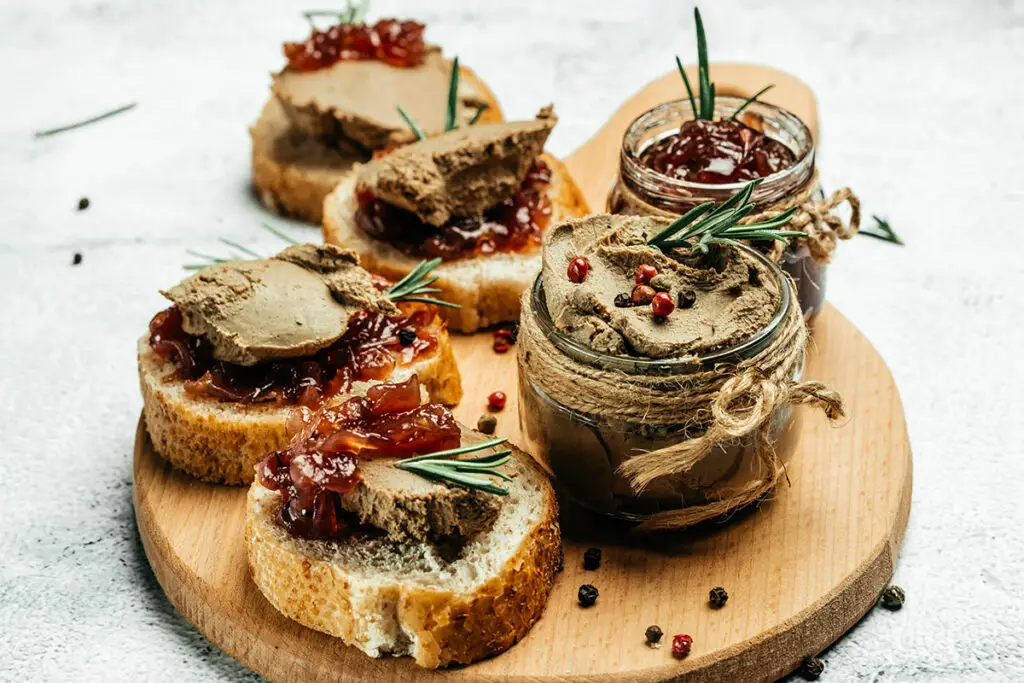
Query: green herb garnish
x,y
246,251
84,122
884,232
353,13
706,111
479,111
417,283
417,131
705,225
752,98
451,115
413,287
471,473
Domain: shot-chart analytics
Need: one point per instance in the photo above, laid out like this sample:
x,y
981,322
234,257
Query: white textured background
x,y
921,107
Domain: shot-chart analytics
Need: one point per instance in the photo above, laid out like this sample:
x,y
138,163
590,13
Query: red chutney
x,y
398,43
511,225
369,349
717,152
320,464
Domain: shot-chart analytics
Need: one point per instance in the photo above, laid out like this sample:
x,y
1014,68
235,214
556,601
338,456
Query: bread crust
x,y
293,173
487,287
437,627
221,442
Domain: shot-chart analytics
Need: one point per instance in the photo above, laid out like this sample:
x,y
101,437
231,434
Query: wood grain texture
x,y
800,570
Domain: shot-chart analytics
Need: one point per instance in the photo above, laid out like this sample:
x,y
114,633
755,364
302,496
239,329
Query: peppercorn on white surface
x,y
919,106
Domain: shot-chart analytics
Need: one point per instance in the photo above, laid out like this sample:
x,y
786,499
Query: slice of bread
x,y
392,598
292,172
487,287
221,442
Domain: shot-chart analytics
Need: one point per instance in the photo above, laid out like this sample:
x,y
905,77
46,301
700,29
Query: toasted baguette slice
x,y
487,287
292,173
392,598
221,442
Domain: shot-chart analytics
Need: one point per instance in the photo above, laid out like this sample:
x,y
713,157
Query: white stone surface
x,y
920,104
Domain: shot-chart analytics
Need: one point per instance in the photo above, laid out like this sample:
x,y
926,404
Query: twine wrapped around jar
x,y
725,403
824,229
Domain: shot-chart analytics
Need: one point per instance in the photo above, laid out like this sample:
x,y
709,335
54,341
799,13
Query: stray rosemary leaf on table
x,y
470,473
85,122
883,231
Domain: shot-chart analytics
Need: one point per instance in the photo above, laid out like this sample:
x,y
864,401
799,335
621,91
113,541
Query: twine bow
x,y
824,228
730,403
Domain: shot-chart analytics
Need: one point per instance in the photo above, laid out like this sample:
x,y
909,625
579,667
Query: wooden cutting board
x,y
800,570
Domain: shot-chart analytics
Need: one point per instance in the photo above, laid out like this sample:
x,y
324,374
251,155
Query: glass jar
x,y
584,451
639,190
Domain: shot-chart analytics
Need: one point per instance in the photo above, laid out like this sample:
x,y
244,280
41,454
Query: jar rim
x,y
678,365
724,106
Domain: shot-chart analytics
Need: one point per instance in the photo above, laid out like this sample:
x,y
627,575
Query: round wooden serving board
x,y
800,570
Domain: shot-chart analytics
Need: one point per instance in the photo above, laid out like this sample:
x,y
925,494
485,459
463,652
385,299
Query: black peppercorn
x,y
653,635
592,558
406,336
83,203
623,300
893,597
587,595
76,259
812,668
717,597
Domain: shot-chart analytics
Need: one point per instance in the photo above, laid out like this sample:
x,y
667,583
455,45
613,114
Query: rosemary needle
x,y
703,226
469,473
85,122
884,233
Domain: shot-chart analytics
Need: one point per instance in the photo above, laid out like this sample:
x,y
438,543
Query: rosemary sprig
x,y
884,233
479,111
450,118
706,88
354,12
417,131
278,234
451,115
417,283
210,260
85,122
751,99
689,90
704,225
470,473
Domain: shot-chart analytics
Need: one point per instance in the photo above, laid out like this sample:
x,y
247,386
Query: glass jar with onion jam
x,y
584,450
669,164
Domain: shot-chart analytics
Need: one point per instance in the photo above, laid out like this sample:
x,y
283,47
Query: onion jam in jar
x,y
670,162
